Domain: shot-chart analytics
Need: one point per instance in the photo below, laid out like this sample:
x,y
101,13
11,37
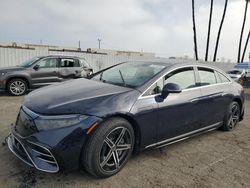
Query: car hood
x,y
81,96
10,69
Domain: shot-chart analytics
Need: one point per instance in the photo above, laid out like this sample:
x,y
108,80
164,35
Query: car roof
x,y
177,63
60,56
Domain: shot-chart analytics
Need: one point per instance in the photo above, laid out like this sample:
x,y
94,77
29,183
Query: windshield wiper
x,y
122,78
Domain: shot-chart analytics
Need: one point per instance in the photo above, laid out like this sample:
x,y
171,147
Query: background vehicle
x,y
98,123
237,74
42,71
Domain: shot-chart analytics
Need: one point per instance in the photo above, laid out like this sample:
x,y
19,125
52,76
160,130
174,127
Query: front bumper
x,y
52,150
33,154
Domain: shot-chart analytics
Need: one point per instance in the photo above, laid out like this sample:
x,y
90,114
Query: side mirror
x,y
170,88
36,67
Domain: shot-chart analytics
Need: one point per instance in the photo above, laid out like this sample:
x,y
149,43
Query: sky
x,y
163,27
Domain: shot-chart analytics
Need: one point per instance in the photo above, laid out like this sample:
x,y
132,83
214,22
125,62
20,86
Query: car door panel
x,y
69,69
44,74
179,114
214,98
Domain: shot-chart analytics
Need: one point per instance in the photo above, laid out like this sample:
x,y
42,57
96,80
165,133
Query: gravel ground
x,y
214,159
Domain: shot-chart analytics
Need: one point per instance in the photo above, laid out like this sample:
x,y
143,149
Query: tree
x,y
209,29
245,48
194,29
219,31
242,30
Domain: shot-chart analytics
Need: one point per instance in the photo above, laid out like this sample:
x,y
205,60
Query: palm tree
x,y
245,48
219,32
209,28
194,29
242,30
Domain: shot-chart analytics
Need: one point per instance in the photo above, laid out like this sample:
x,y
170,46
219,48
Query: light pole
x,y
99,43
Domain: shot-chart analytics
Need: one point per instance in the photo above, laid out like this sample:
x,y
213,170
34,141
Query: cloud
x,y
160,26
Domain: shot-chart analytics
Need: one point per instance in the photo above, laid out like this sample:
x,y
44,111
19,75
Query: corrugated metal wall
x,y
15,56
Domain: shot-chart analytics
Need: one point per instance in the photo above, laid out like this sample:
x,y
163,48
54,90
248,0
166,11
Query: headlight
x,y
3,73
53,122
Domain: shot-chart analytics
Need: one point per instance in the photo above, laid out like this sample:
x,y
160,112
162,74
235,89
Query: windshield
x,y
29,62
237,72
132,74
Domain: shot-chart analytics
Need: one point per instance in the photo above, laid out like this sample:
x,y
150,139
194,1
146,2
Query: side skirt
x,y
185,136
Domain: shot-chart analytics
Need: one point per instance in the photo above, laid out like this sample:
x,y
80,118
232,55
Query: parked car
x,y
97,123
238,75
42,71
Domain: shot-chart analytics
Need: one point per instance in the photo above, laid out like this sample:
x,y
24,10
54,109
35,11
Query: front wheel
x,y
17,87
109,148
232,117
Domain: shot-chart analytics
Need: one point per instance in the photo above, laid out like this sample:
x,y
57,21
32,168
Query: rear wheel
x,y
109,148
232,117
17,87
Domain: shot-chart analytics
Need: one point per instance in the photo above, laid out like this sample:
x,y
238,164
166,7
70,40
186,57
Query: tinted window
x,y
48,63
69,63
155,89
183,77
130,74
223,78
207,76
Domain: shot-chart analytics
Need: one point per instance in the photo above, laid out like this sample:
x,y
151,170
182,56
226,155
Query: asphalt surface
x,y
215,159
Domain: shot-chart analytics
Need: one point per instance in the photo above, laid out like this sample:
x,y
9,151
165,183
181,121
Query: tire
x,y
17,87
232,117
109,148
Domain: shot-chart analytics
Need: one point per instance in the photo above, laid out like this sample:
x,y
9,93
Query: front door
x,y
44,72
178,114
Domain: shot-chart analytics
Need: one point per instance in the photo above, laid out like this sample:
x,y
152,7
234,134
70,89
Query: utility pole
x,y
99,43
79,45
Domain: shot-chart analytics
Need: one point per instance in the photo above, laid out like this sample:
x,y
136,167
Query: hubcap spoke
x,y
120,136
107,158
109,142
123,147
116,159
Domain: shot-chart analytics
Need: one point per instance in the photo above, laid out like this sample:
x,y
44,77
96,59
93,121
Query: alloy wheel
x,y
234,116
115,149
17,87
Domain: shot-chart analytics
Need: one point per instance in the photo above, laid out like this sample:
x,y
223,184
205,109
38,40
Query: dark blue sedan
x,y
97,123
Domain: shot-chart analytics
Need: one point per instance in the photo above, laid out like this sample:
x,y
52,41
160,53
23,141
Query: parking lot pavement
x,y
215,159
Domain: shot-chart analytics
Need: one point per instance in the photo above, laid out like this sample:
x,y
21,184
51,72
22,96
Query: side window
x,y
155,89
48,63
69,63
218,77
184,77
207,76
223,78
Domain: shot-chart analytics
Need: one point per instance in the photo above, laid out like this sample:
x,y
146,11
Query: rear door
x,y
215,99
46,72
69,68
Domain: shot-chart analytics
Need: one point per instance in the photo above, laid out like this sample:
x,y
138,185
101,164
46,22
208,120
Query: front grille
x,y
25,125
33,154
21,151
43,154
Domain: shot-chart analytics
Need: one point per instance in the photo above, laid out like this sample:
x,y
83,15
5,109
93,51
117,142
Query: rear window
x,y
207,76
69,63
